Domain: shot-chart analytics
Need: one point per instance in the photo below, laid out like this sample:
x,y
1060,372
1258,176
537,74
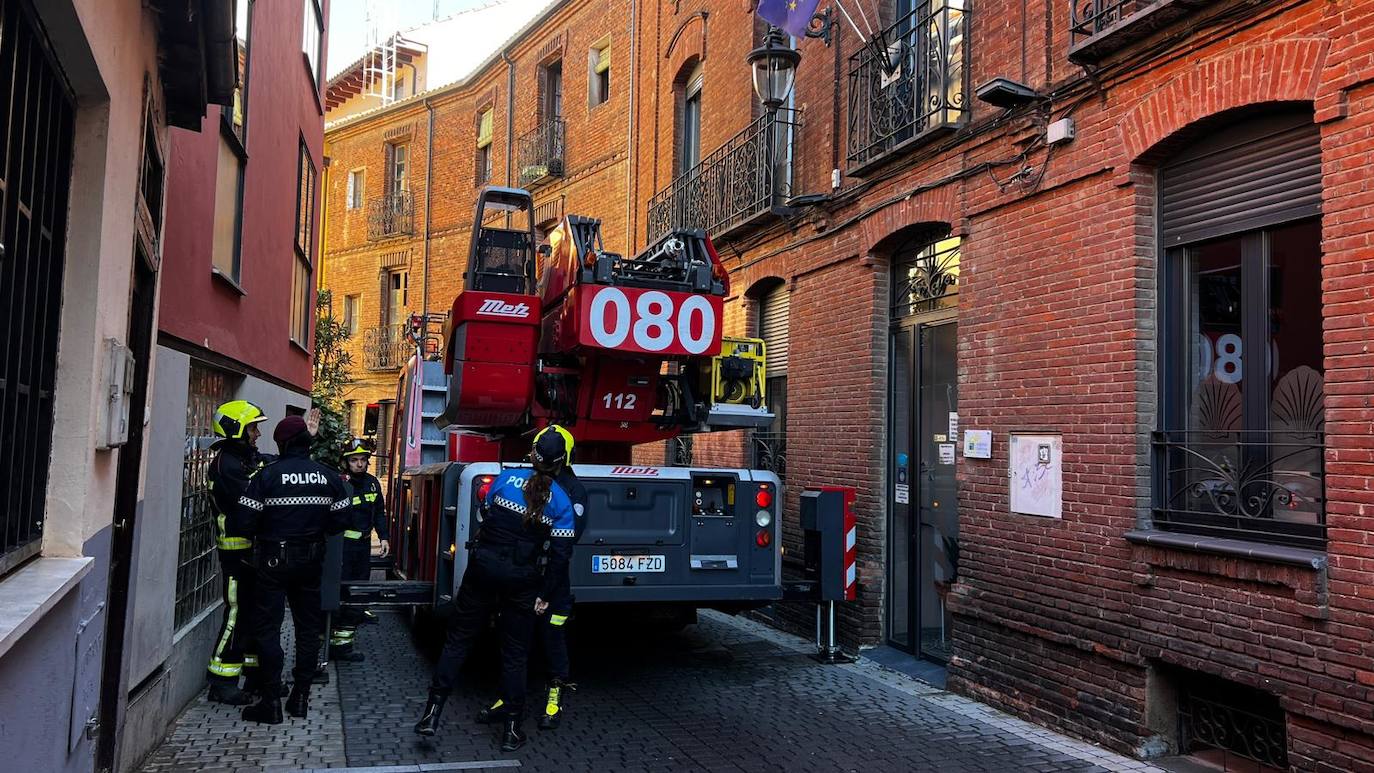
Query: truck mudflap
x,y
661,534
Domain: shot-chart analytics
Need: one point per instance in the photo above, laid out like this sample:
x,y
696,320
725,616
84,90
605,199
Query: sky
x,y
348,23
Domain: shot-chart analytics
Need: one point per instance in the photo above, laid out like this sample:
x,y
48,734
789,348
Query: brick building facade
x,y
944,268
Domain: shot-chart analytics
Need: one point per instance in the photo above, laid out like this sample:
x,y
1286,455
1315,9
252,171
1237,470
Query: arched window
x,y
1239,451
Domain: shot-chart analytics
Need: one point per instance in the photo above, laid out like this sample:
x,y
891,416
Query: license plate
x,y
625,564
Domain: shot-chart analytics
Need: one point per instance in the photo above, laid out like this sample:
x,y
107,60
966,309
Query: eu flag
x,y
793,16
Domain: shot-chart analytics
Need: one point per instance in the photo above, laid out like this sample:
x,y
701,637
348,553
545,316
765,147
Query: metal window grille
x,y
197,566
1238,721
35,166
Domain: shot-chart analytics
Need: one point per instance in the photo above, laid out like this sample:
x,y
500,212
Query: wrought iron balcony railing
x,y
748,176
386,347
391,215
1249,485
541,152
908,83
1098,27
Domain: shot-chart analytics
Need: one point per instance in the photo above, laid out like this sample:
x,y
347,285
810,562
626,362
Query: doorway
x,y
924,436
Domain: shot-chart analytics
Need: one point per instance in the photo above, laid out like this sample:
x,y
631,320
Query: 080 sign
x,y
650,321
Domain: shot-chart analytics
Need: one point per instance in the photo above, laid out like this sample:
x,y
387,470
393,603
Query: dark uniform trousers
x,y
237,632
357,565
498,583
554,636
295,579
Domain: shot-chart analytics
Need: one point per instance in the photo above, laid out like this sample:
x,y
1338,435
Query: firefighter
x,y
552,629
235,462
518,562
287,510
368,513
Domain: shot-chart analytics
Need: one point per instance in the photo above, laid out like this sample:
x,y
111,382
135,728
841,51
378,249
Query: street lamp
x,y
775,68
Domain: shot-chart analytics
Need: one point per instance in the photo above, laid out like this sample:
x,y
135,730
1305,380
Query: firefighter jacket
x,y
369,508
294,499
548,544
234,465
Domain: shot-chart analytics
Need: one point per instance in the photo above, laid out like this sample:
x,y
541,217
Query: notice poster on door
x,y
1036,475
903,494
953,425
946,453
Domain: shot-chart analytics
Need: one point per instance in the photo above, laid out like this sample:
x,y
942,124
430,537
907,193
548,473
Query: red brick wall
x,y
1063,621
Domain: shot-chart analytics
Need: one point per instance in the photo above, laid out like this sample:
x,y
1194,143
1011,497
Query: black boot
x,y
429,721
229,693
321,676
298,705
553,706
493,713
266,711
514,737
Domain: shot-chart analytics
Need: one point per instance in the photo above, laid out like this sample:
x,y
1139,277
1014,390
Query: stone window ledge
x,y
32,591
1230,548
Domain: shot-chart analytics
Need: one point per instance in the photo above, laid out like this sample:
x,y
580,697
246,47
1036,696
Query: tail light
x,y
484,486
764,498
763,539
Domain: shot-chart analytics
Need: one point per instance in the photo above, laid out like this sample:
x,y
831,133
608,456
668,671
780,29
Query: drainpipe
x,y
631,184
429,187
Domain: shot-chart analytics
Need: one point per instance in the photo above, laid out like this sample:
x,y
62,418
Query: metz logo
x,y
495,308
634,470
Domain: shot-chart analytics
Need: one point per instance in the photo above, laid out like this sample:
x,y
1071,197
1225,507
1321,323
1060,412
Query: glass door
x,y
924,525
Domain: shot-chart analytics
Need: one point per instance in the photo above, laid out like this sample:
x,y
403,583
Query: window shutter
x,y
603,59
484,129
773,315
384,277
352,177
1259,174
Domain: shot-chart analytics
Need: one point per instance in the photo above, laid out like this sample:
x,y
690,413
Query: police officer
x,y
368,513
518,563
236,460
552,628
288,509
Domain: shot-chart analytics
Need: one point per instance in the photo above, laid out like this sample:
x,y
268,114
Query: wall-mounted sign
x,y
977,444
1036,475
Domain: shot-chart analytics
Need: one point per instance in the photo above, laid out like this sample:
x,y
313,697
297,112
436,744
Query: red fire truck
x,y
622,351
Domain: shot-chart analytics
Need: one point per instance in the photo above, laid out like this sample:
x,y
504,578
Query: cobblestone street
x,y
725,694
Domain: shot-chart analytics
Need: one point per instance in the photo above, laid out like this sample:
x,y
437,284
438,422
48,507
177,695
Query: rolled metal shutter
x,y
773,310
1259,173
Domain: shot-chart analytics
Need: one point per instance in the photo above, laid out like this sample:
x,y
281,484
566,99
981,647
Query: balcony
x,y
540,153
907,85
1099,27
391,215
386,347
748,178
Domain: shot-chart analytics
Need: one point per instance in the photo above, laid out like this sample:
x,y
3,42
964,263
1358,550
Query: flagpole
x,y
850,19
862,15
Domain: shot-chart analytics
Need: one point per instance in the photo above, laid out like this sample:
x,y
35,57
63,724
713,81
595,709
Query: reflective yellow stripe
x,y
498,704
370,497
250,661
217,666
230,543
353,534
557,619
551,707
357,500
